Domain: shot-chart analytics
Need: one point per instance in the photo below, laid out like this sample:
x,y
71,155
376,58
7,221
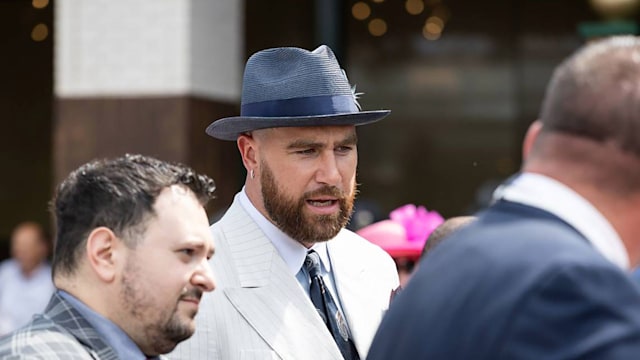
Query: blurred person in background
x,y
25,278
443,231
129,264
403,236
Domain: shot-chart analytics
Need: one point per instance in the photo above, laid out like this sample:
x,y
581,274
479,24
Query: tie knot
x,y
312,263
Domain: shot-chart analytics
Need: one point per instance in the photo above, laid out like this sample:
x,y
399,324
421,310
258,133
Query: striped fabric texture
x,y
258,309
60,333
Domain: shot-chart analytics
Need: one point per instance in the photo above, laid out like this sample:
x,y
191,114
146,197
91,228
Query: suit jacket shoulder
x,y
60,333
518,283
351,252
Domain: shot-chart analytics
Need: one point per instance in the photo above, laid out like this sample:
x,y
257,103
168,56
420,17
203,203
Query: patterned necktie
x,y
328,309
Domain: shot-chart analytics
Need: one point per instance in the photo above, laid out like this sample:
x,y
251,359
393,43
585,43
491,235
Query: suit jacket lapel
x,y
66,316
354,291
269,296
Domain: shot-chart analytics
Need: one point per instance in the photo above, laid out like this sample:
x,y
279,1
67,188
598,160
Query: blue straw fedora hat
x,y
290,86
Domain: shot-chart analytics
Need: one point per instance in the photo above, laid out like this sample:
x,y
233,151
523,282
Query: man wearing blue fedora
x,y
293,283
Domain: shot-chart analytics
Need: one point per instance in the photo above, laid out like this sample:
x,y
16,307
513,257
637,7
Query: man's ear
x,y
530,138
102,253
247,146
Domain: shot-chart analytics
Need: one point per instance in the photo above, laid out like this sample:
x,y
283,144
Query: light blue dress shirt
x,y
22,297
111,333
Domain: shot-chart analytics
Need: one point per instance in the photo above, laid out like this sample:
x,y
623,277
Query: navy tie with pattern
x,y
328,309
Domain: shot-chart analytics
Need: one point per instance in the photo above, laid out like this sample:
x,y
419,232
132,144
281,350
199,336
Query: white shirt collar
x,y
556,198
292,252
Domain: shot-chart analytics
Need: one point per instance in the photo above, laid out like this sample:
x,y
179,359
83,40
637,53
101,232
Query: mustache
x,y
194,293
326,191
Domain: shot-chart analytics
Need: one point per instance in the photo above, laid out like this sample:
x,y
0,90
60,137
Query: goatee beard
x,y
289,214
162,329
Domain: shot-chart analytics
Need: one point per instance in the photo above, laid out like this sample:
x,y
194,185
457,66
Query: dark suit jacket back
x,y
519,283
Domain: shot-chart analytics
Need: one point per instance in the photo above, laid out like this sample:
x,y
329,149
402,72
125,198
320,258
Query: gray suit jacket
x,y
60,333
259,310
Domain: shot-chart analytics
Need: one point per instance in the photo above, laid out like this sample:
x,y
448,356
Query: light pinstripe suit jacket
x,y
259,310
61,333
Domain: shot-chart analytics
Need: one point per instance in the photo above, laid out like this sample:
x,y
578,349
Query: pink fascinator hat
x,y
406,231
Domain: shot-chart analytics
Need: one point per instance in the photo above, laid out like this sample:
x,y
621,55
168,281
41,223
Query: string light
x,y
39,32
360,10
432,28
436,21
377,27
40,4
414,7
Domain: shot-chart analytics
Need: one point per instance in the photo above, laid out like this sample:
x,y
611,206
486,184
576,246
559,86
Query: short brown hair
x,y
444,230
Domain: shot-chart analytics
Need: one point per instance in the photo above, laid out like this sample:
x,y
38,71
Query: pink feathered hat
x,y
406,231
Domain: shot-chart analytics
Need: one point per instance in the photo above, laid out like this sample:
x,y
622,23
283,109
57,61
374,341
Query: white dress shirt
x,y
558,199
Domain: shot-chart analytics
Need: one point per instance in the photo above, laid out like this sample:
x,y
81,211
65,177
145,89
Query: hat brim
x,y
231,127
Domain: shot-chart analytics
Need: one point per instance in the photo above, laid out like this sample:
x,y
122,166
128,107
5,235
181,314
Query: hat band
x,y
304,106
